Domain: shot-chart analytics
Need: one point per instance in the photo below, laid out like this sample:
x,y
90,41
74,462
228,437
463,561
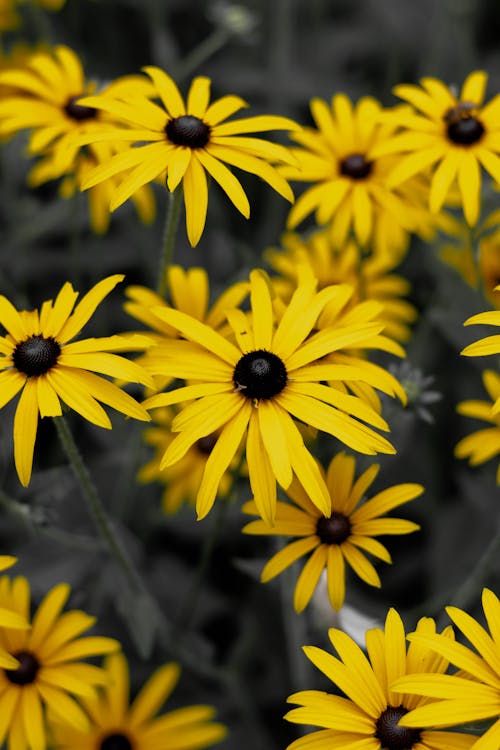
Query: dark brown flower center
x,y
78,111
188,131
356,166
462,125
260,374
116,742
333,530
206,444
391,735
27,670
36,355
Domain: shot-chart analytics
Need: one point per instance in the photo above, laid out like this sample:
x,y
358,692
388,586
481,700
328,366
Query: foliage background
x,y
242,652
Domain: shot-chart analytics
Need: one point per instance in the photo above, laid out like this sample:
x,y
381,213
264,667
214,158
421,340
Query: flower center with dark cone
x,y
391,735
188,131
205,445
356,166
463,127
116,742
36,355
260,374
333,530
78,111
27,670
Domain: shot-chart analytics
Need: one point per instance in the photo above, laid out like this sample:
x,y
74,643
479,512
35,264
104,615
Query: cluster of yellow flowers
x,y
246,383
48,694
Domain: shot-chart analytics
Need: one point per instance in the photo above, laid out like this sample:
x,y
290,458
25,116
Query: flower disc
x,y
260,374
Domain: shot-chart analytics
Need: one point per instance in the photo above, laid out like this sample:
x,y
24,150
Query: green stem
x,y
188,608
169,235
94,504
208,47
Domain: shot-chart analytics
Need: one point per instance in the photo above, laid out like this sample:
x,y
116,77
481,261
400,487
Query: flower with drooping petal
x,y
342,537
116,724
471,695
49,672
251,390
39,358
187,140
454,136
368,714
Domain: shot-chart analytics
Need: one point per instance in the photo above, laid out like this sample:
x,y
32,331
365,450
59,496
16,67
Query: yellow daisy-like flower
x,y
473,694
183,479
43,98
38,358
453,135
490,344
369,716
187,140
342,537
118,725
350,190
251,389
49,670
370,276
484,444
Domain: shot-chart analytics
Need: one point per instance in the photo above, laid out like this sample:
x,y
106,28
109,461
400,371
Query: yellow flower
x,y
482,445
370,714
370,276
453,135
49,670
250,390
350,191
342,537
116,725
183,479
38,358
42,97
9,18
471,695
187,140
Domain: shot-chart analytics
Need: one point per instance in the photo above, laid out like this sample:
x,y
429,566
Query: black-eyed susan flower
x,y
187,140
118,725
483,445
344,536
50,672
349,191
42,97
183,479
368,714
452,135
371,276
490,344
39,358
251,390
473,694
